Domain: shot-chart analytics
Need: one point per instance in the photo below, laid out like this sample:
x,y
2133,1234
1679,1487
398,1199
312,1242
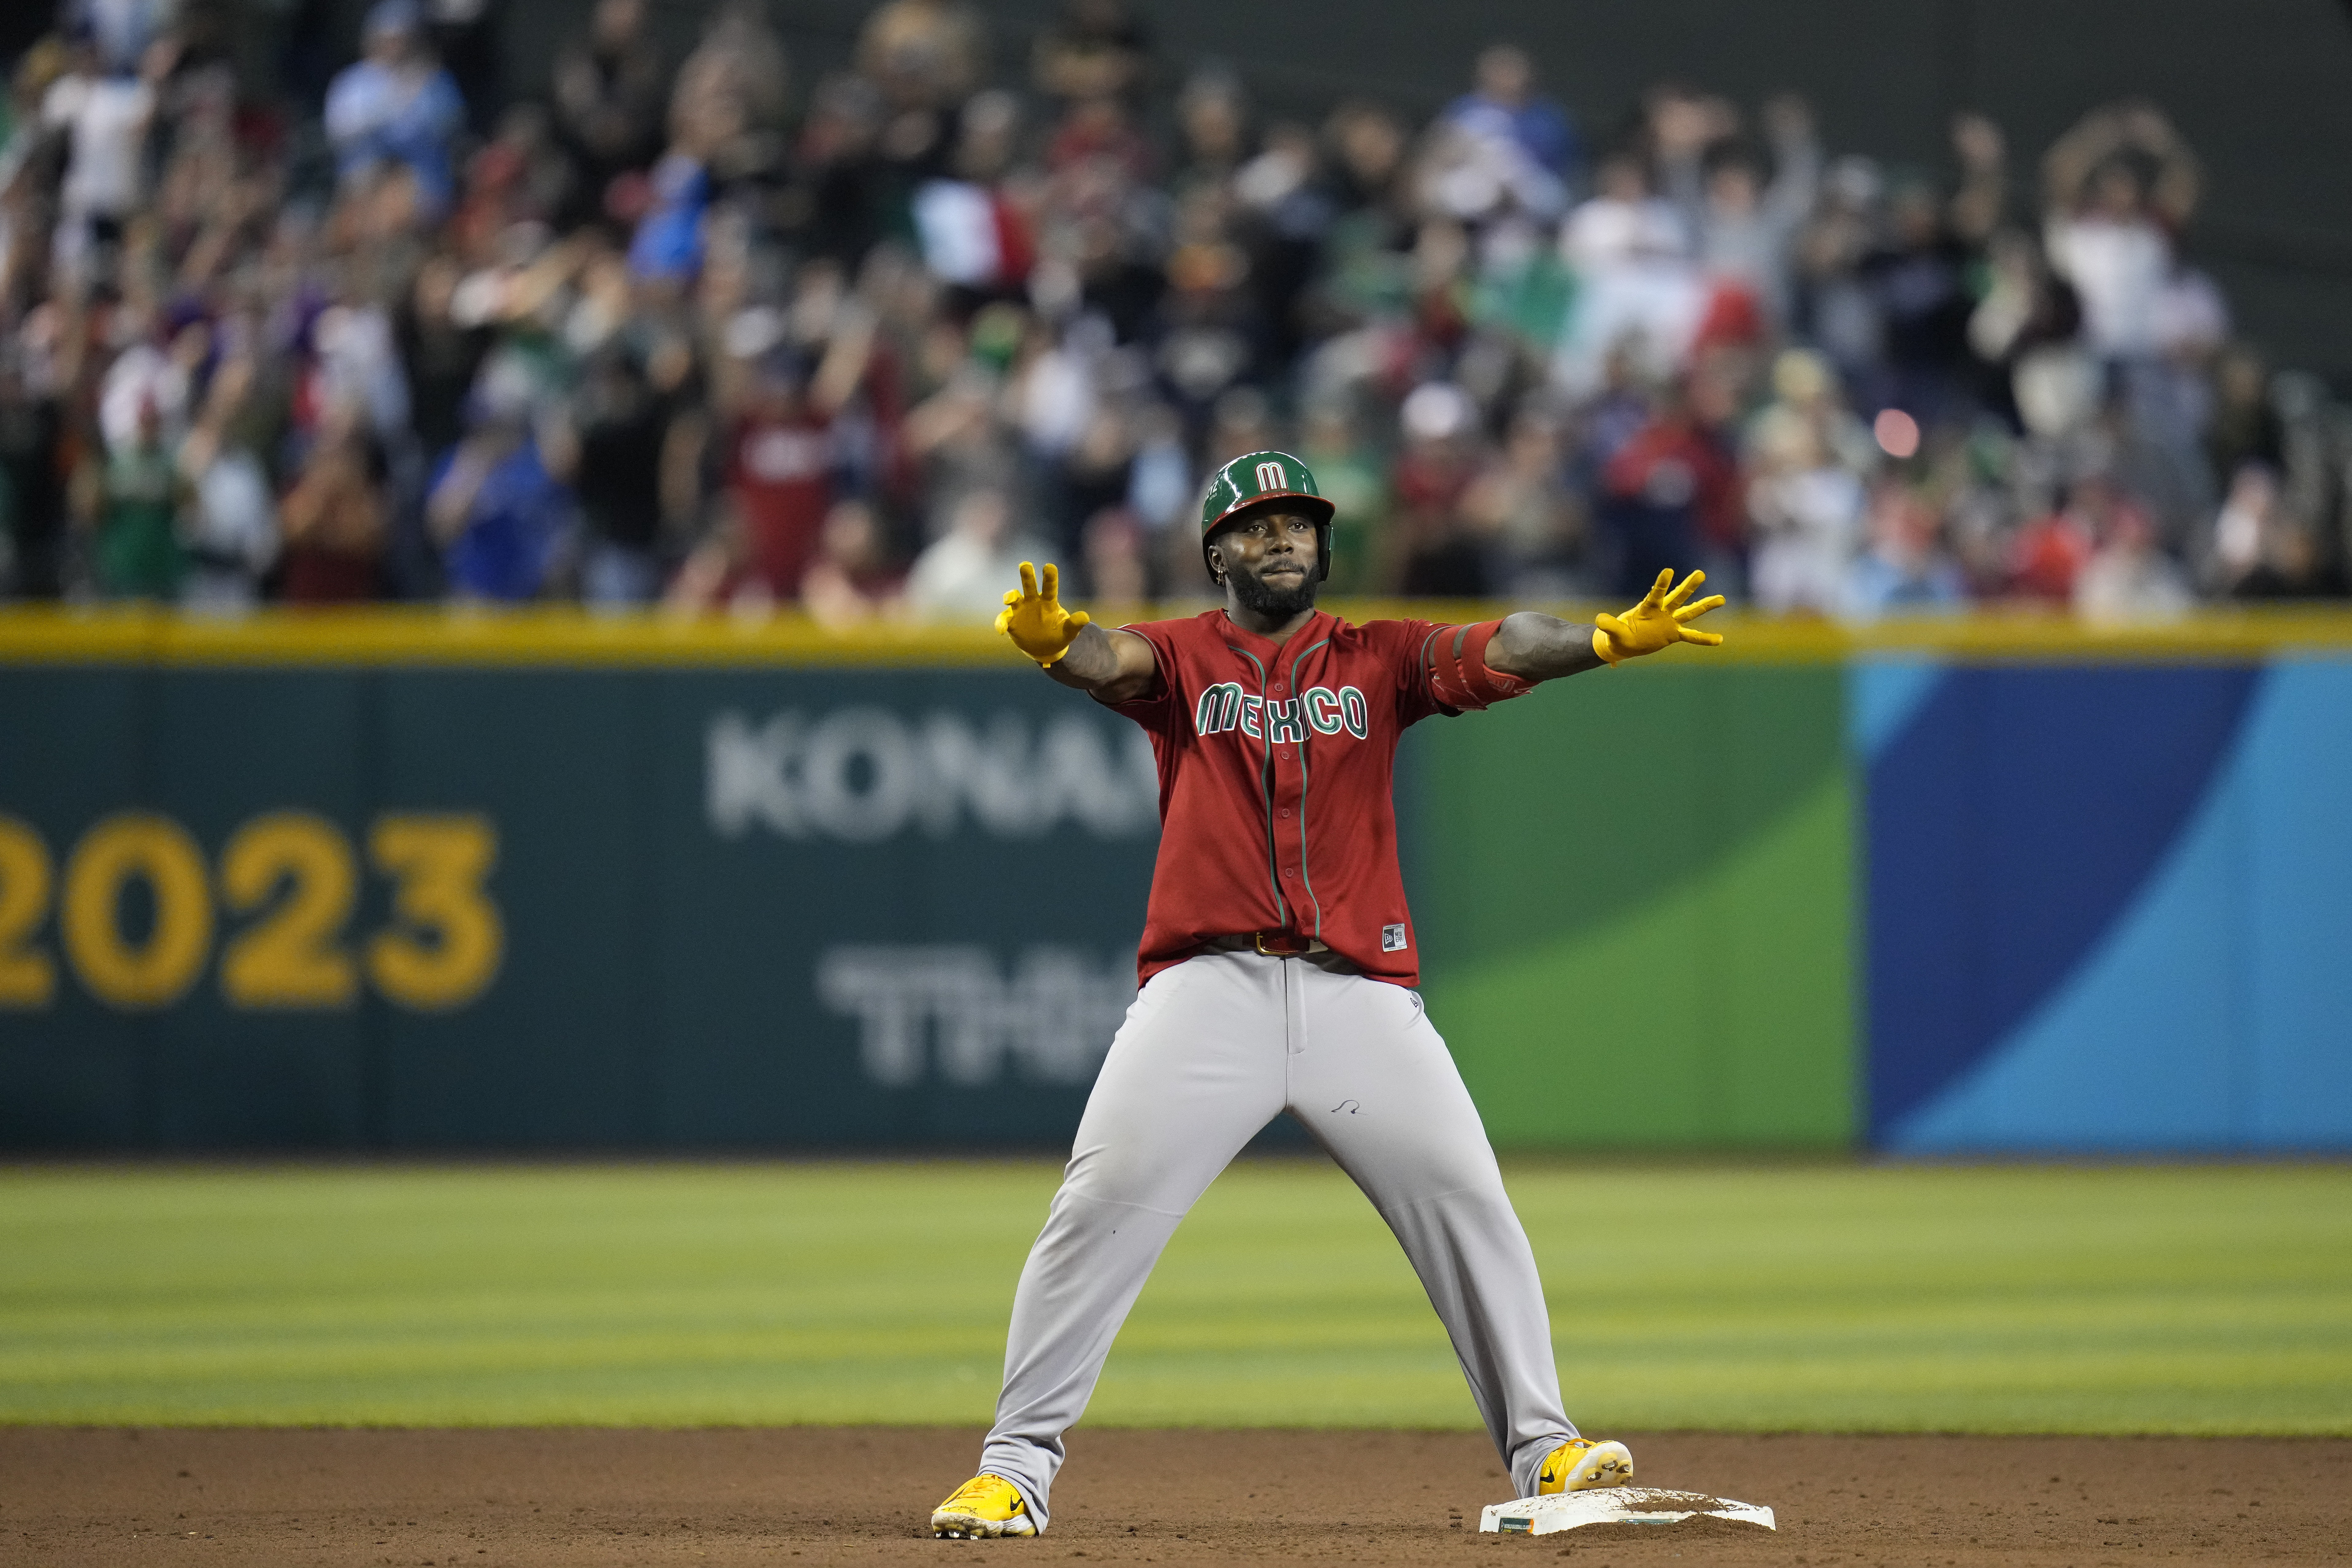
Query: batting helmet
x,y
1255,478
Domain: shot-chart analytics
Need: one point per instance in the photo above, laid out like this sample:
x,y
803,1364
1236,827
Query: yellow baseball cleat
x,y
1581,1463
988,1506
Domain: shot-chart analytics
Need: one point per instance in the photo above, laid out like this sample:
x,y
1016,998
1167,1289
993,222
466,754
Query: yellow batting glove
x,y
1034,618
1660,620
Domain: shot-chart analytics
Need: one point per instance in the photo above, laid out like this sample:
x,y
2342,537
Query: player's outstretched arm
x,y
1116,666
1542,647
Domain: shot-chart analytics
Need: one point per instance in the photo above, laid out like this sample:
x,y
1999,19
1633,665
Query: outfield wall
x,y
407,881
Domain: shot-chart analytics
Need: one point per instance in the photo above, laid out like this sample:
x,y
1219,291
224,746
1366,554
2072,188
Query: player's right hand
x,y
1660,620
1034,618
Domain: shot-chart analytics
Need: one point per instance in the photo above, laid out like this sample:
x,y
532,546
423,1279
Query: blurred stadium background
x,y
502,500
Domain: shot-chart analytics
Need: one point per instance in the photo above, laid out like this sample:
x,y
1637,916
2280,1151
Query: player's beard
x,y
1260,597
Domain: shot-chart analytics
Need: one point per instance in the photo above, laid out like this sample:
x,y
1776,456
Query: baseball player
x,y
1277,967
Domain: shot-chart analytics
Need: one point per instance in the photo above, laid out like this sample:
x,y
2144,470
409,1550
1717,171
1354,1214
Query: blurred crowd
x,y
697,331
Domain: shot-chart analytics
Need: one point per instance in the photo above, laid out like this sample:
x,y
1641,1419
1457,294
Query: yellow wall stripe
x,y
564,636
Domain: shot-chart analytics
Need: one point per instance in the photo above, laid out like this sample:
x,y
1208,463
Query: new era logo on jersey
x,y
1225,705
1392,938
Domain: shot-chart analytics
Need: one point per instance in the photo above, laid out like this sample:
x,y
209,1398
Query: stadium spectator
x,y
2023,308
609,86
1903,569
1918,283
2128,577
924,53
1441,556
961,576
467,36
1745,222
396,105
851,582
2259,550
1526,144
1349,471
334,519
1638,293
104,107
494,505
1213,129
1660,489
1535,528
728,106
229,522
2049,554
638,433
781,474
32,488
2245,428
2119,186
1113,550
1095,48
440,356
137,553
120,32
1372,228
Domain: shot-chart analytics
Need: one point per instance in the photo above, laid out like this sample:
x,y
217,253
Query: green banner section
x,y
1636,894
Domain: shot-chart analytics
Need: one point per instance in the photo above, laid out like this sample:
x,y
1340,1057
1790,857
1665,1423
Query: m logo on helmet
x,y
1270,476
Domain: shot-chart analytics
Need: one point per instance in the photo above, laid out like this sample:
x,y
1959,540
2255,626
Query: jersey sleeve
x,y
1152,711
1443,668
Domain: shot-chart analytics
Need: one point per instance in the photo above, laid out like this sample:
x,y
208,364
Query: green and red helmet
x,y
1250,481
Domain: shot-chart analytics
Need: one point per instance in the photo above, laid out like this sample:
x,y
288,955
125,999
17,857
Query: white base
x,y
1613,1505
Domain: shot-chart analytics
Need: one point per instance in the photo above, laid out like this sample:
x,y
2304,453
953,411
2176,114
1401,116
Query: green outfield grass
x,y
2090,1299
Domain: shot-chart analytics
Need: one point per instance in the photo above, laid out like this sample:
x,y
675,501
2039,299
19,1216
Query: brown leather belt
x,y
1272,943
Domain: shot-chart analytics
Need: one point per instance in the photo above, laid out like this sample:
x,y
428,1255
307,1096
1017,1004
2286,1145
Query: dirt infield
x,y
588,1498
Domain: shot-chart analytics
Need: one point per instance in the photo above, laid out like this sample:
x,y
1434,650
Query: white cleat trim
x,y
949,1526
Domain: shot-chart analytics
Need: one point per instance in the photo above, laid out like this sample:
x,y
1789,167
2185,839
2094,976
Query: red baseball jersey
x,y
1276,779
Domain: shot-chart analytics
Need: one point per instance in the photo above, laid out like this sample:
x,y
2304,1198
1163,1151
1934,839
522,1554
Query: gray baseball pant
x,y
1213,1049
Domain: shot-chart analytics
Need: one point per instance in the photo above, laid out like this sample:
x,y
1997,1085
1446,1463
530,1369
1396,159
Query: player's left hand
x,y
1034,618
1660,620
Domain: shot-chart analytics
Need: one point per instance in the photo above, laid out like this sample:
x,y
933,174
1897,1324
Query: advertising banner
x,y
492,884
518,907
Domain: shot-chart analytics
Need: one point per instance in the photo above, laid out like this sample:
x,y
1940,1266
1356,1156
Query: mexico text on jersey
x,y
1226,706
1275,781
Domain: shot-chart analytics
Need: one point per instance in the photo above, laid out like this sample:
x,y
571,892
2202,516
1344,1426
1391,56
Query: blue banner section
x,y
2106,912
